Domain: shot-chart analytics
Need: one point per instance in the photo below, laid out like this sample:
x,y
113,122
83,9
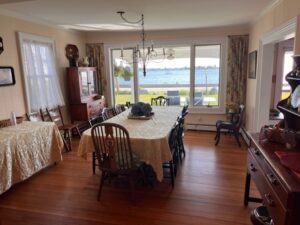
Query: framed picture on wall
x,y
252,58
7,76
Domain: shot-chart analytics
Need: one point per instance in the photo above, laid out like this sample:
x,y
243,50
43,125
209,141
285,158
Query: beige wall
x,y
12,97
280,13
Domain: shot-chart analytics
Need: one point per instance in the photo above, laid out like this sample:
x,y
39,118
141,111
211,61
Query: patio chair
x,y
198,98
160,101
174,97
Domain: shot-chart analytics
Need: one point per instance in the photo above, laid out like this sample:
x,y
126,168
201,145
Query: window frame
x,y
22,36
222,41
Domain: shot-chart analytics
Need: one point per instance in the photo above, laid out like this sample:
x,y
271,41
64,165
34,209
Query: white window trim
x,y
22,36
223,41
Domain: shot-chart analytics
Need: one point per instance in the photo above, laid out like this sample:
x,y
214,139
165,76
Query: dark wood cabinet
x,y
85,102
278,186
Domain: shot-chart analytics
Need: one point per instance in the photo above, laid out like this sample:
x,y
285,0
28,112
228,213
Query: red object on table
x,y
290,160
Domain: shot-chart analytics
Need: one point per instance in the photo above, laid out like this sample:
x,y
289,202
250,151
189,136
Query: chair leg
x,y
218,136
101,185
78,132
94,162
236,134
69,138
64,138
172,173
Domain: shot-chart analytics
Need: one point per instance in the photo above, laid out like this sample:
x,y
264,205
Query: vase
x,y
85,61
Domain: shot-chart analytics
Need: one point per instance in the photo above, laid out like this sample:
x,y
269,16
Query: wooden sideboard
x,y
279,187
85,102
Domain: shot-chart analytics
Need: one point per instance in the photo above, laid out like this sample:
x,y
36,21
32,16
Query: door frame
x,y
265,70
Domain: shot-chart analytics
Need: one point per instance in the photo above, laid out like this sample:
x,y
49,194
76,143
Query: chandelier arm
x,y
121,13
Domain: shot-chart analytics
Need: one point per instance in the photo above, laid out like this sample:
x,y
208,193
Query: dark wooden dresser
x,y
84,99
279,187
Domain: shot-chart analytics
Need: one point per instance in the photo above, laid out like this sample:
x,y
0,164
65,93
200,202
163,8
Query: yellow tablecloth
x,y
149,138
26,149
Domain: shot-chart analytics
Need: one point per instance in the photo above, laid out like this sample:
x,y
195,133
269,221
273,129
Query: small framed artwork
x,y
7,76
252,58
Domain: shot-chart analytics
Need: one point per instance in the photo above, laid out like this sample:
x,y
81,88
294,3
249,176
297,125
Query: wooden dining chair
x,y
5,123
55,115
160,101
34,116
173,144
114,154
108,113
179,137
232,126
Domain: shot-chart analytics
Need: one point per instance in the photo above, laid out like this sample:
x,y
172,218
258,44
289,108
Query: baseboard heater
x,y
194,126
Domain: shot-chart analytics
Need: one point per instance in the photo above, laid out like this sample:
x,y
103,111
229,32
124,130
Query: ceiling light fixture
x,y
142,54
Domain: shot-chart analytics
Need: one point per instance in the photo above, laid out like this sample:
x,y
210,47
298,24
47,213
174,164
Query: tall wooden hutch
x,y
85,102
278,185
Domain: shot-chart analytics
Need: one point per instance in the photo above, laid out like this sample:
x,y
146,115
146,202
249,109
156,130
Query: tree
x,y
121,71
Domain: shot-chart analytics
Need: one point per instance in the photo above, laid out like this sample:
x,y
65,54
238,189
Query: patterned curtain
x,y
95,52
237,69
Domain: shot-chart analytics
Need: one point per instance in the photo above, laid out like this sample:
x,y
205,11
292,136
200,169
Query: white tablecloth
x,y
149,138
26,149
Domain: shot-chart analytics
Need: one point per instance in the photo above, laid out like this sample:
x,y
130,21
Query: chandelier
x,y
142,54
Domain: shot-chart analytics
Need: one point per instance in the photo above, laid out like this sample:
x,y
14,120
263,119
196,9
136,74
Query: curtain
x,y
95,52
43,89
237,69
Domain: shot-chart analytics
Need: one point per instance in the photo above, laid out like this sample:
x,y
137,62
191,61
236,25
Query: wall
x,y
12,97
277,15
171,36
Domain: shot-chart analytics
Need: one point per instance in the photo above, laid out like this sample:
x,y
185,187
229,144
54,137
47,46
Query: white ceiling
x,y
159,14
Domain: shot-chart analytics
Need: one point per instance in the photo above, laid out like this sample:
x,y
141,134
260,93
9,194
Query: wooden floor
x,y
208,191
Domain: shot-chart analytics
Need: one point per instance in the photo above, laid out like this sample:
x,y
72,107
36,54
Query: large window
x,y
168,76
187,74
123,81
207,75
40,75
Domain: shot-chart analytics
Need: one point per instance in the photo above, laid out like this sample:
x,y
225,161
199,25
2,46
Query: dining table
x,y
27,148
149,137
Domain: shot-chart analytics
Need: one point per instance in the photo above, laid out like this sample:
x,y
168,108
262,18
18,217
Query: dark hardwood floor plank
x,y
208,190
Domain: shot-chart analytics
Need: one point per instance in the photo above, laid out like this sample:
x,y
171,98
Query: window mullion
x,y
192,74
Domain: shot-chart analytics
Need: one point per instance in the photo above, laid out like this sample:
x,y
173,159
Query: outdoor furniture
x,y
174,97
160,101
198,98
232,126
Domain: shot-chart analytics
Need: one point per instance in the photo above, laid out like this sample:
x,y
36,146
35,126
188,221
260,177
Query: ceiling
x,y
159,14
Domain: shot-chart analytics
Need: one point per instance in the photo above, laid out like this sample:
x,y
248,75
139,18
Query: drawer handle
x,y
269,199
252,168
272,179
